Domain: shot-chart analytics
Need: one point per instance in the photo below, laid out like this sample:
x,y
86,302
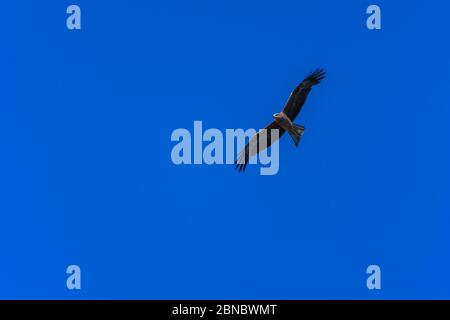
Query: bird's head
x,y
277,116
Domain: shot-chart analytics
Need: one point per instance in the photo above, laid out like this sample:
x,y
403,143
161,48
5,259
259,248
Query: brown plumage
x,y
283,120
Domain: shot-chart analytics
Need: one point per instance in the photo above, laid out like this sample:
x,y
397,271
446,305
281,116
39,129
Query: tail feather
x,y
296,133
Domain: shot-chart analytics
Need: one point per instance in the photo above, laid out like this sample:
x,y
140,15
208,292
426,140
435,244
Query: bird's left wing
x,y
253,146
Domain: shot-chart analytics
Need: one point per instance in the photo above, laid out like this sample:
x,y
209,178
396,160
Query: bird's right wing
x,y
253,146
300,93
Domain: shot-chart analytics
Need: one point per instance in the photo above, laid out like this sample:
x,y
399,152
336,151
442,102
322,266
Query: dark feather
x,y
243,158
298,96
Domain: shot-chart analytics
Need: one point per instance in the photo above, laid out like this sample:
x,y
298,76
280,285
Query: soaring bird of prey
x,y
283,120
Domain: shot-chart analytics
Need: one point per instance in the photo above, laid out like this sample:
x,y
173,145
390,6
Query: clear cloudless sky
x,y
86,176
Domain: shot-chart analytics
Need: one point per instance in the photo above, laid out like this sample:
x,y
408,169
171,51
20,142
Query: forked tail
x,y
296,133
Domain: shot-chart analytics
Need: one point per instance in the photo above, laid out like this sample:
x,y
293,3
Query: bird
x,y
283,120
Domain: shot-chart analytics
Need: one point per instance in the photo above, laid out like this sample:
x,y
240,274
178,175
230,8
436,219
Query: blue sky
x,y
86,176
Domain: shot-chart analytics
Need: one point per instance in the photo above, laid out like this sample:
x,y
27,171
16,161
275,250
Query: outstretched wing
x,y
253,147
298,96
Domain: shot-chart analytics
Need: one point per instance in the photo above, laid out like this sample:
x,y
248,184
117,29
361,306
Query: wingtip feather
x,y
316,76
